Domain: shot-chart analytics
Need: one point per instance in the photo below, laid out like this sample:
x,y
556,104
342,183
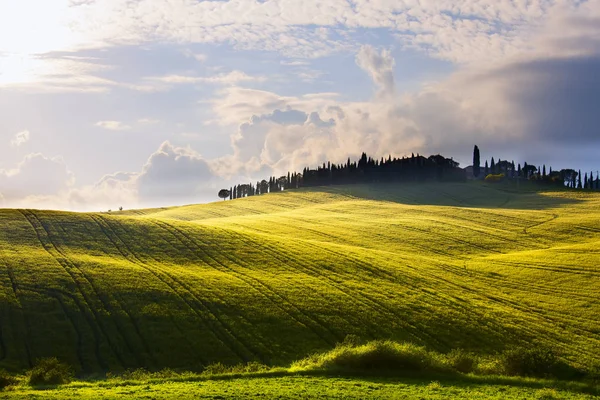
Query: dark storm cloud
x,y
558,99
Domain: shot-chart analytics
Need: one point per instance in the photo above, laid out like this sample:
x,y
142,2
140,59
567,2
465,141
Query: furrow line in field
x,y
171,230
554,216
543,267
374,304
525,310
451,239
418,272
541,289
134,324
262,287
97,294
25,322
212,321
589,229
131,257
92,322
389,277
54,293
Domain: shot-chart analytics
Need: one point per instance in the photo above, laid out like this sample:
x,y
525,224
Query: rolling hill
x,y
273,278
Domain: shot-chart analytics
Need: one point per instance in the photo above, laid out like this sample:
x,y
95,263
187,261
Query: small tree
x,y
476,162
224,194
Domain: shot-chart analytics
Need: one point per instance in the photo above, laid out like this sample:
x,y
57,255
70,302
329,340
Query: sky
x,y
143,103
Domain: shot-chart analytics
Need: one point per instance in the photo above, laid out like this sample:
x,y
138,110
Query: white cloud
x,y
379,66
229,78
196,56
36,174
463,31
148,121
113,125
20,138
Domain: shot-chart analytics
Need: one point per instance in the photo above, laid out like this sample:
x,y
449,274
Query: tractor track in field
x,y
394,279
94,325
26,337
131,257
104,303
250,348
54,293
108,308
544,267
374,304
134,324
254,283
554,216
456,300
212,321
527,310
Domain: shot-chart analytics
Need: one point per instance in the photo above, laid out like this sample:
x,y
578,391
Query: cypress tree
x,y
493,166
585,181
544,171
476,162
579,180
230,193
486,170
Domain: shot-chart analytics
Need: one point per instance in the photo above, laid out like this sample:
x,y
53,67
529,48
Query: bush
x,y
219,368
377,355
536,362
351,340
50,371
7,379
494,178
461,361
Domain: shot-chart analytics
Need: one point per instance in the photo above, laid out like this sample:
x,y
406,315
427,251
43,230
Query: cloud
x,y
148,121
36,174
462,31
379,66
229,78
196,56
176,175
20,138
113,125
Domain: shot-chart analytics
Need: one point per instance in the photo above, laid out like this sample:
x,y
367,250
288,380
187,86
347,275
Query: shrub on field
x,y
49,371
351,340
461,361
7,379
494,178
377,355
535,361
219,368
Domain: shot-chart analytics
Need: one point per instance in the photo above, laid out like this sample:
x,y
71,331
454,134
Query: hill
x,y
273,278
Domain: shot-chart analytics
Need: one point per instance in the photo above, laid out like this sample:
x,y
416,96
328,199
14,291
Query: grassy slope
x,y
308,387
273,278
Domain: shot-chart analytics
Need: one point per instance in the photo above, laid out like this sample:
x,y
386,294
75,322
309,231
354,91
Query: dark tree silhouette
x,y
415,168
476,162
224,194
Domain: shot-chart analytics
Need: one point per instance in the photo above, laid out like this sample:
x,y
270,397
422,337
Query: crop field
x,y
276,277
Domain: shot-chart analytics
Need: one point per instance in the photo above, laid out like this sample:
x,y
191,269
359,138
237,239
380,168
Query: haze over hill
x,y
273,278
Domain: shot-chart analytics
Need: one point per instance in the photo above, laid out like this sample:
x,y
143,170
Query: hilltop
x,y
276,277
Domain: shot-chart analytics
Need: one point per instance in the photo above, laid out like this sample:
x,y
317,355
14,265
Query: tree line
x,y
415,168
506,169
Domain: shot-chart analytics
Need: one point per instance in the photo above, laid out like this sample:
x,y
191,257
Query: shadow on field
x,y
525,196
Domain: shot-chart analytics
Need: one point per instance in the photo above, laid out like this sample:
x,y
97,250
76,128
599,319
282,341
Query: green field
x,y
276,277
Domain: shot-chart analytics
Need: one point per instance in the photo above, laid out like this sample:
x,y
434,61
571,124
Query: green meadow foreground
x,y
277,277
